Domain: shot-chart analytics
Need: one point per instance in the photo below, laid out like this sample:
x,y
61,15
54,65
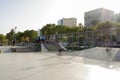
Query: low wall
x,y
5,49
27,49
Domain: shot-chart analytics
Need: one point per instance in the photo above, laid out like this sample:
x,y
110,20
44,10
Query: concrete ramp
x,y
117,56
43,48
100,53
5,49
61,45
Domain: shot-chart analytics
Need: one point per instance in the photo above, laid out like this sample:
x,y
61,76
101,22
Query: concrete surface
x,y
97,53
98,56
49,66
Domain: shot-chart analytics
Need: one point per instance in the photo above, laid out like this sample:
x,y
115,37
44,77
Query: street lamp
x,y
14,36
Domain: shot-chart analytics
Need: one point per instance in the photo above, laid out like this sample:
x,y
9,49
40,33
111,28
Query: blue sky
x,y
34,14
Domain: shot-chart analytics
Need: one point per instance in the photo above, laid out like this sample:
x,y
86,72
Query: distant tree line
x,y
26,36
50,29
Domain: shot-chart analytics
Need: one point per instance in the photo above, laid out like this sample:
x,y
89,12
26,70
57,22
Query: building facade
x,y
93,17
71,22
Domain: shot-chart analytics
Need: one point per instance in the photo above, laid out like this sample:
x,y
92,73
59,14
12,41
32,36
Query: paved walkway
x,y
49,66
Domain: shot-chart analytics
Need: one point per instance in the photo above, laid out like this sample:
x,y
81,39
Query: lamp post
x,y
15,36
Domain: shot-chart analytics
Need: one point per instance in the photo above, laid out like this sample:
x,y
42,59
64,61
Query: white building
x,y
71,22
99,15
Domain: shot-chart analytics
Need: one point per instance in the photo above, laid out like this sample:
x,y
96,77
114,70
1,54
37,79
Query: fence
x,y
88,39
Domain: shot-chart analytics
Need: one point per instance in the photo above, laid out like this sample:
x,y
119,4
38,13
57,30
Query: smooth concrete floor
x,y
49,66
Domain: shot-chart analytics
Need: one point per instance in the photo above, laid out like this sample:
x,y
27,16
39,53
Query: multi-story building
x,y
71,22
93,17
116,17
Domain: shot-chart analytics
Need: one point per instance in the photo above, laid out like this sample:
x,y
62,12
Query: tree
x,y
94,22
10,36
48,30
30,35
80,25
105,31
105,25
20,37
51,29
26,36
2,39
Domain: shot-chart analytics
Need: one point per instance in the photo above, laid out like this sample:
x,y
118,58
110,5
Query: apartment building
x,y
71,22
93,17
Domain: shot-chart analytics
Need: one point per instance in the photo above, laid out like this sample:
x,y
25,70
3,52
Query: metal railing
x,y
102,38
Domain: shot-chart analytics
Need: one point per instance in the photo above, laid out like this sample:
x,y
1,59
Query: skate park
x,y
77,65
28,63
